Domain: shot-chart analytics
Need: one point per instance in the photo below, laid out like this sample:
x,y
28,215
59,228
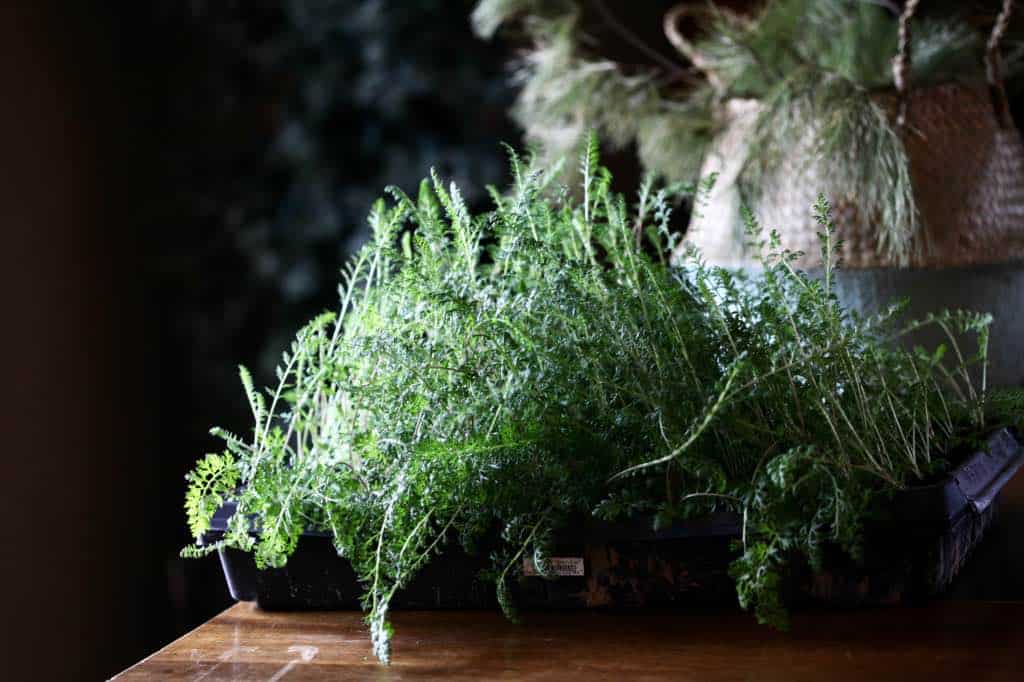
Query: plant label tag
x,y
560,566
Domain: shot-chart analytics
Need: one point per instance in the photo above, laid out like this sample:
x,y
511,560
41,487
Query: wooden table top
x,y
947,640
977,635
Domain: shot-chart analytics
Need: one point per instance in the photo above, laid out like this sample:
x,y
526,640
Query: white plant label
x,y
560,565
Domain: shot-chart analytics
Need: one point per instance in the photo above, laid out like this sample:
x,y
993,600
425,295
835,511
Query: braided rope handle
x,y
670,26
901,62
993,58
994,64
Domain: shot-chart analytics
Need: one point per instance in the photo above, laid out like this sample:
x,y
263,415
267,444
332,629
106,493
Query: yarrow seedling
x,y
488,376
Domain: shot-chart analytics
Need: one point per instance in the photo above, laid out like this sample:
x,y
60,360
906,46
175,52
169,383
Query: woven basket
x,y
966,162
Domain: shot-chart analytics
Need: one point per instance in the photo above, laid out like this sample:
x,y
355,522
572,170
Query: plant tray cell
x,y
915,553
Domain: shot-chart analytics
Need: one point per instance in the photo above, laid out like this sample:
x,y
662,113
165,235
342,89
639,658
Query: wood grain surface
x,y
949,640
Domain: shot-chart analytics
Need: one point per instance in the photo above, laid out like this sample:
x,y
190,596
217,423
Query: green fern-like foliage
x,y
209,485
814,65
513,369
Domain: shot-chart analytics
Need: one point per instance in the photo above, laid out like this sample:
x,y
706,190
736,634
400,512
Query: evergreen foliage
x,y
816,67
511,369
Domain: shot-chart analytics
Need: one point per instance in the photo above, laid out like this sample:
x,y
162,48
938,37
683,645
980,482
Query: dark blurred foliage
x,y
268,129
286,120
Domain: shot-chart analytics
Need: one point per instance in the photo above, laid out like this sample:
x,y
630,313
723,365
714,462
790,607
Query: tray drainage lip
x,y
984,474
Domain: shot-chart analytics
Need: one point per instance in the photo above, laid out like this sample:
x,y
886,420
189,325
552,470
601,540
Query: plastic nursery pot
x,y
915,553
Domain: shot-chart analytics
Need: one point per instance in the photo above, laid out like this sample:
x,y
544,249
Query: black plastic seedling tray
x,y
914,553
316,578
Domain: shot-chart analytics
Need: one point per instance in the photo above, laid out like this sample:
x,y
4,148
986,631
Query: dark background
x,y
182,182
